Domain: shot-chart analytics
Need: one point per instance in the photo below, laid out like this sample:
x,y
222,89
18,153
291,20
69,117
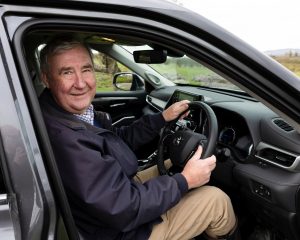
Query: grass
x,y
105,78
290,62
189,74
104,82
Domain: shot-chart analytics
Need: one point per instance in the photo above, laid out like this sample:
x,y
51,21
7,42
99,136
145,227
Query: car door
x,y
25,193
29,208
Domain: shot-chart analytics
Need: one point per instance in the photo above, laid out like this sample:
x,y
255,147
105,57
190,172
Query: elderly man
x,y
109,199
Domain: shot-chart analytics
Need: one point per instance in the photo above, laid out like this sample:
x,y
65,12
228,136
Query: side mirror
x,y
127,81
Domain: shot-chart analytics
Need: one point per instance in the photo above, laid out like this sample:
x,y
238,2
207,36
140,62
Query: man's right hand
x,y
197,171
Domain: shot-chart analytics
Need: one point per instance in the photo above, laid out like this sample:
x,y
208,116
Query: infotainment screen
x,y
179,95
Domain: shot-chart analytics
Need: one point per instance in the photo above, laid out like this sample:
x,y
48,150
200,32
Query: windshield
x,y
186,71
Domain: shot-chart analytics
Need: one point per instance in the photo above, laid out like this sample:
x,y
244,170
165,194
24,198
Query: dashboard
x,y
234,138
246,126
258,154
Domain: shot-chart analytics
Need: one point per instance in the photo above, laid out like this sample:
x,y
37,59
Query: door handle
x,y
117,104
3,199
6,223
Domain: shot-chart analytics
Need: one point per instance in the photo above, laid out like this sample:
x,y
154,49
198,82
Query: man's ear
x,y
45,79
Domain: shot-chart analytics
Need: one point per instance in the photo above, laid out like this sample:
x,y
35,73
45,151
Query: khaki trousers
x,y
204,209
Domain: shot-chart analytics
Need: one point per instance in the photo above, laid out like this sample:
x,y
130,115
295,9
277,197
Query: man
x,y
108,198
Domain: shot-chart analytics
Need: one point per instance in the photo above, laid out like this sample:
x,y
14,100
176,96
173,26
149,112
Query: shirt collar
x,y
87,116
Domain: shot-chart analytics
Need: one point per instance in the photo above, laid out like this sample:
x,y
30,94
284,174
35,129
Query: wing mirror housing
x,y
128,81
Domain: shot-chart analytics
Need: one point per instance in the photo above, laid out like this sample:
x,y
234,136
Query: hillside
x,y
284,52
290,58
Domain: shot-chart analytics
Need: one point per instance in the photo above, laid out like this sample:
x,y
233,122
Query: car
x,y
149,54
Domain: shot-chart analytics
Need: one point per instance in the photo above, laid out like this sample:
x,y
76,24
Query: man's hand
x,y
197,171
175,110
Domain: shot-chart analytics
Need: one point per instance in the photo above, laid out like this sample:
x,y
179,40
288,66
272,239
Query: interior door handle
x,y
117,104
3,199
6,223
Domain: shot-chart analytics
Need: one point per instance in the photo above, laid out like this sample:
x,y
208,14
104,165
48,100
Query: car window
x,y
105,69
180,70
186,71
183,70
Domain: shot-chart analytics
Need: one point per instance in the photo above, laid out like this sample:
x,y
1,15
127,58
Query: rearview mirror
x,y
150,56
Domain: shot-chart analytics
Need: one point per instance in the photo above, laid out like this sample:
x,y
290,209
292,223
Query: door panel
x,y
124,107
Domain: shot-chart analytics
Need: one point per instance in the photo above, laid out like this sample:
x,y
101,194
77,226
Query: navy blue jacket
x,y
97,166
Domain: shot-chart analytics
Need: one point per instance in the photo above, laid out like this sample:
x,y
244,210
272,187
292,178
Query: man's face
x,y
71,79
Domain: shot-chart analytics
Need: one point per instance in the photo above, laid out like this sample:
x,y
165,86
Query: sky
x,y
264,24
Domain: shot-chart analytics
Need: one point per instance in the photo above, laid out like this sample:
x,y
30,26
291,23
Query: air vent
x,y
283,125
276,157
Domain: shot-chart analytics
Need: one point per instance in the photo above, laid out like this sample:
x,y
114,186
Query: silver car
x,y
149,54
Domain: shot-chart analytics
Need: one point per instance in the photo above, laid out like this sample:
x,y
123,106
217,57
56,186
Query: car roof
x,y
150,4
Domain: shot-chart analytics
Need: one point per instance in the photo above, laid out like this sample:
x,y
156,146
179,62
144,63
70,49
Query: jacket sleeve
x,y
102,193
142,130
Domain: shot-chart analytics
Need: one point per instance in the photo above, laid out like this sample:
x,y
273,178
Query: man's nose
x,y
79,81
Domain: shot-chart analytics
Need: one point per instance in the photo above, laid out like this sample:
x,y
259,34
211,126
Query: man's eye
x,y
67,72
87,70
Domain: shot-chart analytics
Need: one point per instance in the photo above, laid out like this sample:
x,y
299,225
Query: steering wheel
x,y
182,144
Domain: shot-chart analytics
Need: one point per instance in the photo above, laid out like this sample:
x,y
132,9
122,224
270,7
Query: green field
x,y
105,70
290,62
